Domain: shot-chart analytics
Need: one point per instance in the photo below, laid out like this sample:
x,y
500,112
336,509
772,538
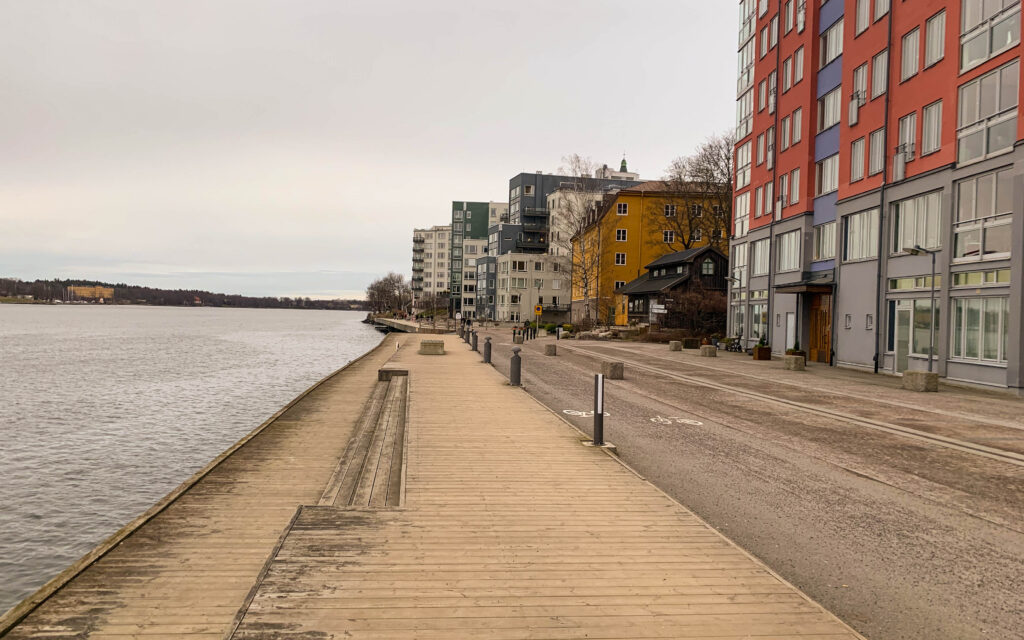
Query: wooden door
x,y
820,346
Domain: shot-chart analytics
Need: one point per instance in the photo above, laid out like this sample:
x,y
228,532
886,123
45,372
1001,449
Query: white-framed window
x,y
935,39
788,10
798,124
794,186
761,259
788,252
620,259
987,122
831,44
738,256
917,221
707,267
825,241
769,198
931,129
762,95
910,55
798,65
980,328
827,178
670,210
742,166
876,152
860,236
784,138
745,76
787,74
622,208
881,8
620,235
982,217
760,149
863,16
744,114
879,73
830,109
857,160
783,190
696,210
908,136
764,42
860,88
697,235
741,215
528,190
758,203
668,236
988,27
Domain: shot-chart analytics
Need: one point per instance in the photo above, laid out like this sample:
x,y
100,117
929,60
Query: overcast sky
x,y
290,147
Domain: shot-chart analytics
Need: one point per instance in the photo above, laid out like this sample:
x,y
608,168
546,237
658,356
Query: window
x,y
697,235
769,198
827,175
825,241
789,15
762,95
987,122
760,149
696,210
916,221
992,277
528,190
787,74
879,74
739,264
798,117
707,267
620,259
619,284
783,190
831,43
761,261
935,39
668,236
980,328
860,240
881,8
921,332
909,57
876,158
829,109
758,203
622,208
987,28
794,186
741,215
857,160
789,251
908,135
670,210
860,91
798,65
745,77
742,169
744,114
538,266
984,207
764,42
931,131
863,15
774,29
784,142
620,235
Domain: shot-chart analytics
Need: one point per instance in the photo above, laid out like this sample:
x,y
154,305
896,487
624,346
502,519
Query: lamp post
x,y
918,250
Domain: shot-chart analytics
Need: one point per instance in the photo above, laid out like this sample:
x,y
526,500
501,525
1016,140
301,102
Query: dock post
x,y
515,371
475,341
598,409
487,350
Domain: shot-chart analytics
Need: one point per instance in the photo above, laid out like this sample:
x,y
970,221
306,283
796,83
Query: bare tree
x,y
706,179
573,211
390,293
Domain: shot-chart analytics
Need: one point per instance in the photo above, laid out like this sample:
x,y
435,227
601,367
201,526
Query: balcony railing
x,y
419,240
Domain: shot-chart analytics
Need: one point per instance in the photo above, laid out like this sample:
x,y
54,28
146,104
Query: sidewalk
x,y
511,528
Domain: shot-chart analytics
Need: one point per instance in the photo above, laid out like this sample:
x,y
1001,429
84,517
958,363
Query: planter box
x,y
691,343
708,351
762,353
794,363
675,345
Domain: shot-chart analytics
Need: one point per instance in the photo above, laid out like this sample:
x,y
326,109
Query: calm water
x,y
103,410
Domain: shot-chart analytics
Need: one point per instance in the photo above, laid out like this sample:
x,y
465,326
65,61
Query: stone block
x,y
518,339
675,345
794,363
708,351
550,350
612,370
920,381
432,347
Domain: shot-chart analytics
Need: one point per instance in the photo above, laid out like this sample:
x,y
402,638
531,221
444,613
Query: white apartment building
x,y
472,249
431,261
525,280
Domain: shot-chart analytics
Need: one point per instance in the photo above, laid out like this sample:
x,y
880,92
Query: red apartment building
x,y
866,128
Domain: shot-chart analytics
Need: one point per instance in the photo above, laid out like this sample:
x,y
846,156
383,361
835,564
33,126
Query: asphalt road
x,y
900,538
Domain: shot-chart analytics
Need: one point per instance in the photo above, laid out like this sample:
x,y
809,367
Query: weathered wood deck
x,y
510,528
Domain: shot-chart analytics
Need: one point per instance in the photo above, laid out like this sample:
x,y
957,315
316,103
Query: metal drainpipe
x,y
881,196
775,170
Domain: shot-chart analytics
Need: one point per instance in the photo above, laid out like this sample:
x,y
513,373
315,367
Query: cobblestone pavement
x,y
901,536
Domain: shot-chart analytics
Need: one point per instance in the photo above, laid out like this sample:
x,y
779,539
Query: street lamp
x,y
918,250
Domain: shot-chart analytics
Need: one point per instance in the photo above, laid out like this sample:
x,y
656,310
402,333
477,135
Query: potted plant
x,y
762,351
796,350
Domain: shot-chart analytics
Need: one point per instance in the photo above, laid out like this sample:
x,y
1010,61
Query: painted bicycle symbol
x,y
582,414
675,420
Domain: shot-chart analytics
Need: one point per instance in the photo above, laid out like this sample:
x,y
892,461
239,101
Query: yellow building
x,y
630,229
78,292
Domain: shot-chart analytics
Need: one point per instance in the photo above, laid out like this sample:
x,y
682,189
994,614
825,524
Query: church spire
x,y
622,167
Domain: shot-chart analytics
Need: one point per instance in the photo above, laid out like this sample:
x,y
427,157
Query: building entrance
x,y
819,348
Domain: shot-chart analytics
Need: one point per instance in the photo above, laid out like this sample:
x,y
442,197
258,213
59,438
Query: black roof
x,y
646,284
679,256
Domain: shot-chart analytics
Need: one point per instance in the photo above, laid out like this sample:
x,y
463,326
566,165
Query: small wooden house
x,y
646,299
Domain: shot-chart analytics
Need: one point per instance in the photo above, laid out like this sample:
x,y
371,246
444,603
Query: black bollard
x,y
598,409
515,372
487,350
474,341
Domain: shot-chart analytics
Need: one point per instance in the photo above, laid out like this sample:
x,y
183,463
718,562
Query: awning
x,y
823,282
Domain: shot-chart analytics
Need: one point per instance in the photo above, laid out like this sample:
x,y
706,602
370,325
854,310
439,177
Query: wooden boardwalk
x,y
509,528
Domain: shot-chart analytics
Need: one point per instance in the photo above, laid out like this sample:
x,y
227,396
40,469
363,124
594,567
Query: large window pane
x,y
967,244
997,239
958,329
990,343
922,326
972,327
